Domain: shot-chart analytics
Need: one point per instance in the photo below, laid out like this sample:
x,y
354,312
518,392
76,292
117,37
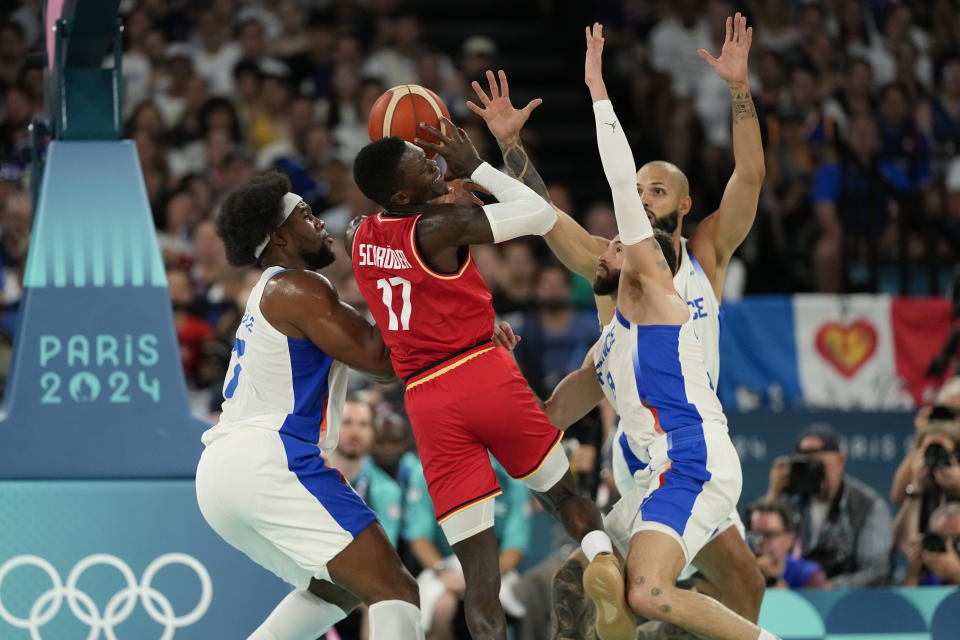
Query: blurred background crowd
x,y
859,104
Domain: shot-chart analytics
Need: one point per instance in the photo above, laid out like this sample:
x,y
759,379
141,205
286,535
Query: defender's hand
x,y
502,118
460,154
592,69
732,63
503,336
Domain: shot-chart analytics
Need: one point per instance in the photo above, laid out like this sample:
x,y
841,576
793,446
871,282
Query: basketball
x,y
398,111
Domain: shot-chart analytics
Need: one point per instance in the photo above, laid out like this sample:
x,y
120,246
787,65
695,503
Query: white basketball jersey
x,y
694,287
280,383
655,378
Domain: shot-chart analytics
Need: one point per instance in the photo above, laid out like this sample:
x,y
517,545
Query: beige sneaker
x,y
603,582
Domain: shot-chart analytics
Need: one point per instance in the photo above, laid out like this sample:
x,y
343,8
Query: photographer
x,y
844,524
934,477
937,551
947,407
772,534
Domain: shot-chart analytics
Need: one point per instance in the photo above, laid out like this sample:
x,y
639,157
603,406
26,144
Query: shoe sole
x,y
605,587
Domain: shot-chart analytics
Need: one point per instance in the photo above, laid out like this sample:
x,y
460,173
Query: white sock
x,y
395,620
299,616
595,542
766,635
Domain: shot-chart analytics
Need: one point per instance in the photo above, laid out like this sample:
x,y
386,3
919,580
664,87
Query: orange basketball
x,y
398,111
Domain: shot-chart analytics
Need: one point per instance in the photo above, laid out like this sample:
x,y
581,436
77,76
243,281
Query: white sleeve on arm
x,y
519,212
621,173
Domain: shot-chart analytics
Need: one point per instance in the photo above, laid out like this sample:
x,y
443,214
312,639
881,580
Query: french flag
x,y
831,352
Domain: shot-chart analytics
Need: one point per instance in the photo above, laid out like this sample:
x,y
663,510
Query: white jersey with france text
x,y
694,287
280,383
656,380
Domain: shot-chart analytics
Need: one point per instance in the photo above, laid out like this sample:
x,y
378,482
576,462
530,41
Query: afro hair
x,y
376,168
249,214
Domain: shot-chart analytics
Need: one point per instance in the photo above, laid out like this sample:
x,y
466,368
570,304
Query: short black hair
x,y
249,214
779,507
376,168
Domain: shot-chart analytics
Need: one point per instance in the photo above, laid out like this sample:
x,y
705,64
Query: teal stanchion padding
x,y
96,387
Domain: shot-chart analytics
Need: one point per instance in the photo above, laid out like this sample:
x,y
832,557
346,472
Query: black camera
x,y
936,456
806,476
941,412
936,543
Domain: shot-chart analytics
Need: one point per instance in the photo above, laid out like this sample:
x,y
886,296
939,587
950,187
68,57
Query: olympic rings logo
x,y
119,607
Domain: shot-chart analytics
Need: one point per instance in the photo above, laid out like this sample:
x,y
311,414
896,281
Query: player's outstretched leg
x,y
653,564
370,568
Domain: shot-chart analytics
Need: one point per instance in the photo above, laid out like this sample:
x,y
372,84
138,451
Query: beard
x,y
319,258
606,285
667,222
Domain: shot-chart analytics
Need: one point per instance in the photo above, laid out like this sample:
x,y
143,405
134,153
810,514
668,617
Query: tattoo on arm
x,y
573,613
743,108
518,164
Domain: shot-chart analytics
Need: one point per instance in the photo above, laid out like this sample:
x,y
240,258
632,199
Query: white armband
x,y
621,172
519,212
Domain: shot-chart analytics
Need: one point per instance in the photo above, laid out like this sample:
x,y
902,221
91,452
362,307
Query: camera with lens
x,y
936,456
936,543
806,475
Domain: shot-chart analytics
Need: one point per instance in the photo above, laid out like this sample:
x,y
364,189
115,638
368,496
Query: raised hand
x,y
457,149
593,65
502,118
732,63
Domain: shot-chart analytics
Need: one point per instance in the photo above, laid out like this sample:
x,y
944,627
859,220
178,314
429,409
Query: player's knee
x,y
651,600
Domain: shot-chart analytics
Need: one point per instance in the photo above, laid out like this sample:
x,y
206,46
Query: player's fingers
x,y
475,187
729,36
451,128
533,104
477,109
492,80
433,130
749,36
481,94
706,56
426,144
504,87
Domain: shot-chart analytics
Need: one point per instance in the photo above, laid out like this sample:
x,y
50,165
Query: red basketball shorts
x,y
462,408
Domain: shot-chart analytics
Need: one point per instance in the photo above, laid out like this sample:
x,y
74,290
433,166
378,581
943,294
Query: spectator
x,y
517,283
934,558
845,526
772,535
215,53
949,397
352,458
934,465
852,201
477,54
193,332
393,448
441,581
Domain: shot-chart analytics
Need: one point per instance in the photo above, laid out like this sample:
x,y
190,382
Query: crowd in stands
x,y
859,104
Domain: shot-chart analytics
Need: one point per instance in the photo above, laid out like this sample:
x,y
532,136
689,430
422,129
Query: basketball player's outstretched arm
x,y
577,249
643,254
303,304
726,228
518,212
575,395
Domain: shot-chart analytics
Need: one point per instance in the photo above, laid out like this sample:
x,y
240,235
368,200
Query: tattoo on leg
x,y
655,592
665,609
640,580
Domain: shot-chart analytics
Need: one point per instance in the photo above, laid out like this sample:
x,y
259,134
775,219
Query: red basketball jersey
x,y
425,316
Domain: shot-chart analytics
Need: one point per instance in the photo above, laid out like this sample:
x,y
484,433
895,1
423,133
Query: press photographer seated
x,y
772,536
934,464
934,557
844,525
